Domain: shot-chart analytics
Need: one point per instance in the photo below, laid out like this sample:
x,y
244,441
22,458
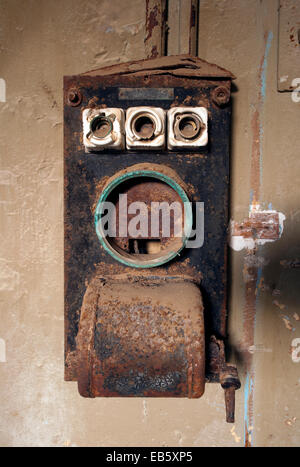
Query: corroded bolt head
x,y
229,377
221,95
74,97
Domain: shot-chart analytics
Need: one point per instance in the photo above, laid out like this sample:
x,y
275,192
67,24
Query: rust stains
x,y
193,33
259,225
256,125
151,18
155,28
255,159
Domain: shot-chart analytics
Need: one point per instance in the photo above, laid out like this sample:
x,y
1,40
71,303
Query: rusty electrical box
x,y
146,216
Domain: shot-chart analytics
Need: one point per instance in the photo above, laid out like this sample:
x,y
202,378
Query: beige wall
x,y
40,41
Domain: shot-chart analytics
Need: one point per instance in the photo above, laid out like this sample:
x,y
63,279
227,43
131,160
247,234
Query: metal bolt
x,y
221,95
230,383
74,97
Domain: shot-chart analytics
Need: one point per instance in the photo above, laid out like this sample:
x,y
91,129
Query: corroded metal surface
x,y
74,97
193,30
155,40
230,383
177,65
141,337
221,95
183,27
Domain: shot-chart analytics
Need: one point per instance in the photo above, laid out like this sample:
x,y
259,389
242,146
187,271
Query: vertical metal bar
x,y
156,29
193,36
183,27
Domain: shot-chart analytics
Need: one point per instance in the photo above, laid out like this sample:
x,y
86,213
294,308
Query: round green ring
x,y
188,221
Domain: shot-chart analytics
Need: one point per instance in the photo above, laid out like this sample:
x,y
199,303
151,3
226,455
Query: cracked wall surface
x,y
42,41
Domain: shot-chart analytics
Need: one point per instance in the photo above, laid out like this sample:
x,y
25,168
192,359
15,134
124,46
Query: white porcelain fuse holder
x,y
187,127
103,129
145,128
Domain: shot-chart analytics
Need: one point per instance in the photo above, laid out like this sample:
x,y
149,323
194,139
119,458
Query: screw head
x,y
74,97
221,95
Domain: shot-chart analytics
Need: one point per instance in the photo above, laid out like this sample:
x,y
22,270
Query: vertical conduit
x,y
171,27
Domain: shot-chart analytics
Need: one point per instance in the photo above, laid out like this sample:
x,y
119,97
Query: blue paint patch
x,y
265,65
259,276
251,198
249,384
289,320
248,391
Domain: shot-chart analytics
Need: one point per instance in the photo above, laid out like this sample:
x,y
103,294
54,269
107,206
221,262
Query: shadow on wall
x,y
271,276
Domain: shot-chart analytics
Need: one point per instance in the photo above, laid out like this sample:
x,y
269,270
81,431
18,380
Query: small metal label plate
x,y
153,94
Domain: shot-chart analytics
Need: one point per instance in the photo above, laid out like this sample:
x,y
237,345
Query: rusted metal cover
x,y
175,65
141,336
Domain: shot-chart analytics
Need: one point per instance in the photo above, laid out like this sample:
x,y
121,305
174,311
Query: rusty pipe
x,y
156,28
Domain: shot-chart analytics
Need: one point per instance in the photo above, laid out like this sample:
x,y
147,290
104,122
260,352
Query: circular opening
x,y
141,245
188,126
143,126
101,126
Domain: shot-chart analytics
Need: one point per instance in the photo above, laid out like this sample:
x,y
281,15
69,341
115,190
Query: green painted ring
x,y
188,218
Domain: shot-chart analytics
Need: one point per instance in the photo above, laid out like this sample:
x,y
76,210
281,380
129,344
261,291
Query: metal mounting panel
x,y
204,171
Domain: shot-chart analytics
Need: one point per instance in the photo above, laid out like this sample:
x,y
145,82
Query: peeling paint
x,y
285,318
290,421
2,90
279,305
155,28
2,351
284,78
237,438
145,410
287,323
296,350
